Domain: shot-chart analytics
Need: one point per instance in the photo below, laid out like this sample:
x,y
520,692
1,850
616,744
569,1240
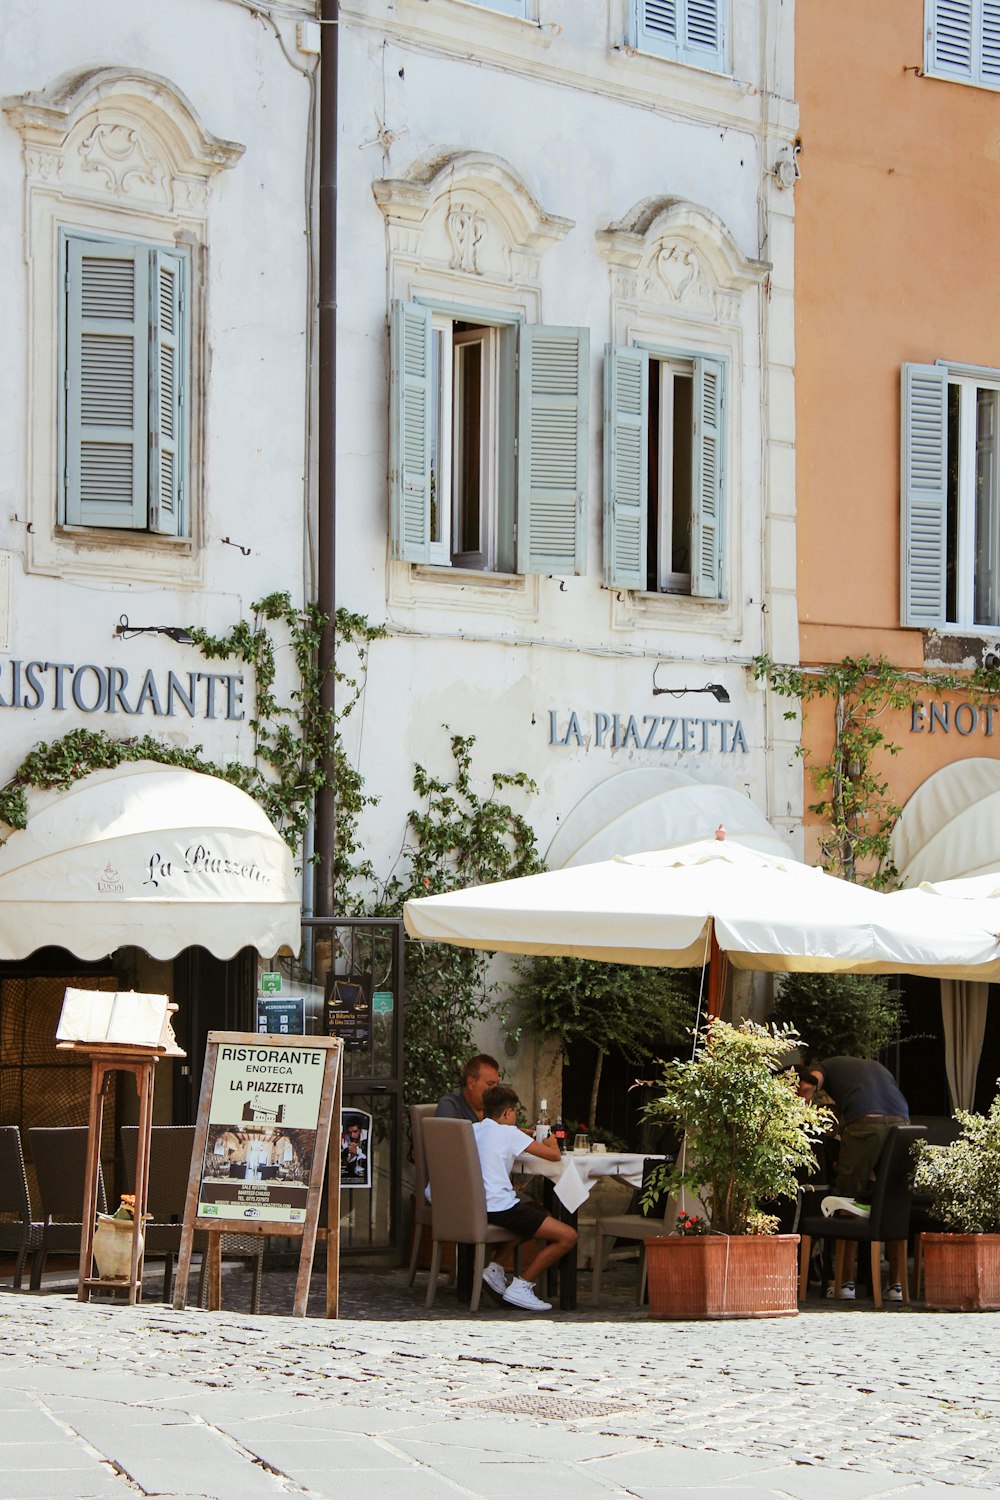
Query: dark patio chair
x,y
888,1223
59,1157
458,1200
170,1151
421,1208
19,1233
634,1225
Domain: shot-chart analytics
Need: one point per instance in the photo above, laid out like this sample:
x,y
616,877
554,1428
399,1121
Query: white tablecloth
x,y
574,1175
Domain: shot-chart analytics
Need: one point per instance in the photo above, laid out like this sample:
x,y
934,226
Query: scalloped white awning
x,y
148,856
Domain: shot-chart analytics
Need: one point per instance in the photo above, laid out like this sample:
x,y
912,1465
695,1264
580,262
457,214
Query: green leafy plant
x,y
456,837
628,1007
746,1131
962,1180
855,800
840,1015
291,736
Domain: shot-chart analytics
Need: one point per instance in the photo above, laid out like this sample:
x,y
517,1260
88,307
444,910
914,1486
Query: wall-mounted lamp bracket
x,y
125,631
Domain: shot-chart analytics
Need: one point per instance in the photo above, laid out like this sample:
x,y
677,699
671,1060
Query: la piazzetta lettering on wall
x,y
93,689
647,732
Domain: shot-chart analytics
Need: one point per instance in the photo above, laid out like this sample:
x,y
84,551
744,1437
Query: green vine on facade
x,y
855,800
290,738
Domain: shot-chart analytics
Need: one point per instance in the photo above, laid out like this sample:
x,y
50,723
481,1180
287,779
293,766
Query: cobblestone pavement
x,y
112,1401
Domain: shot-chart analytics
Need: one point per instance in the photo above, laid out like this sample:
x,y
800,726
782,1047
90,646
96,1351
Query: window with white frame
x,y
962,40
688,31
124,342
664,469
488,441
951,496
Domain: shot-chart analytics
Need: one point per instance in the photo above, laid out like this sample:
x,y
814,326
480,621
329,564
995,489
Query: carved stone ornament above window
x,y
117,136
678,258
469,213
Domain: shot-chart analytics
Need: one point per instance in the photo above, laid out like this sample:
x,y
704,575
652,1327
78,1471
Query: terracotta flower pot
x,y
113,1247
962,1272
723,1276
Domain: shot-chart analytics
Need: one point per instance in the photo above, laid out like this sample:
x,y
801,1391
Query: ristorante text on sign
x,y
261,1143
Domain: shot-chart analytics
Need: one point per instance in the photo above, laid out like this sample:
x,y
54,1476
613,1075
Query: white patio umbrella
x,y
663,908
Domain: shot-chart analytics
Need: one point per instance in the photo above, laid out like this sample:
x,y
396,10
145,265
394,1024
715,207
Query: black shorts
x,y
523,1219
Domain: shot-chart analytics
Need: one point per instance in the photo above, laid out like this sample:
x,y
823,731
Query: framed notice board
x,y
262,1150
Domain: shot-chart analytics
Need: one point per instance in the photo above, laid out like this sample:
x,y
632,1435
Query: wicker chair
x,y
21,1233
59,1157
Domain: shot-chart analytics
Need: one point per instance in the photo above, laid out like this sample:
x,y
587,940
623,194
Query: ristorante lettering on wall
x,y
607,731
93,689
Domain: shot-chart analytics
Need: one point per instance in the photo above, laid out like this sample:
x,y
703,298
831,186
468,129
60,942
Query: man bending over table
x,y
868,1104
499,1141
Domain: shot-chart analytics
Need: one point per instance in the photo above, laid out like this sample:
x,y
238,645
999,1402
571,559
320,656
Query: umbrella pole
x,y
718,975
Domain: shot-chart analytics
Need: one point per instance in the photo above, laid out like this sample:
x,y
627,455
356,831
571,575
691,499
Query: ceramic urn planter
x,y
962,1272
113,1247
723,1276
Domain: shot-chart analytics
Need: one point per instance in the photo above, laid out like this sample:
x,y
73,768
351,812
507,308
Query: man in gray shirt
x,y
480,1073
868,1103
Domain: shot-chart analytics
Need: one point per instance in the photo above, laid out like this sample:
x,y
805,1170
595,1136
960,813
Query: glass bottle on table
x,y
542,1127
559,1131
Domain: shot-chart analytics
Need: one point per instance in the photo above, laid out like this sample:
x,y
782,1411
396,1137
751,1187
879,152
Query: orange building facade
x,y
898,397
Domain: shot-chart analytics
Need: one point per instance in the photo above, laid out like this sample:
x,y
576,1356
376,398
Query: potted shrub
x,y
962,1182
746,1134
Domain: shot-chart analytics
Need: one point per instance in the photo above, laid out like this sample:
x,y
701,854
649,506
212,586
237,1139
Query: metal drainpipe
x,y
326,430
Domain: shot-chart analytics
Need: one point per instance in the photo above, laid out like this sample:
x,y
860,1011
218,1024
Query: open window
x,y
664,472
488,440
951,496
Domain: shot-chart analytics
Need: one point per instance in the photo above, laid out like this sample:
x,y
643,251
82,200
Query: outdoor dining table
x,y
567,1186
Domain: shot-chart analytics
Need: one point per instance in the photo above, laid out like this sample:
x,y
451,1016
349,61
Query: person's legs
x,y
557,1240
861,1143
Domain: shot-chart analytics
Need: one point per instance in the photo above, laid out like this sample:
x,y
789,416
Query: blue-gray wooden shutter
x,y
553,411
707,480
990,42
410,414
951,39
923,524
106,377
167,392
626,422
690,31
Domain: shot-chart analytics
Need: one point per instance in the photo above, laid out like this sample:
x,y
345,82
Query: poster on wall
x,y
281,1015
355,1149
260,1147
349,1010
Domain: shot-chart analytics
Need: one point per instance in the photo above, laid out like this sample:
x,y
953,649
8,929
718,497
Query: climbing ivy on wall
x,y
855,800
290,735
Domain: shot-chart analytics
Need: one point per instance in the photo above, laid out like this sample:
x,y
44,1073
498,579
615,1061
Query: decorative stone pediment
x,y
468,213
119,136
677,257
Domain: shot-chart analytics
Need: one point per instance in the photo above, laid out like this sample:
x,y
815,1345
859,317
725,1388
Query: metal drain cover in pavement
x,y
556,1408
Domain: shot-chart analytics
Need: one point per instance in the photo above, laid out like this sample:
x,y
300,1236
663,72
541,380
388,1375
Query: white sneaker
x,y
847,1291
894,1293
521,1293
495,1278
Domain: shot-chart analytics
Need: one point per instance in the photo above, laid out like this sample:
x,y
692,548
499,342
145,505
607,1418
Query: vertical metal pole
x,y
326,433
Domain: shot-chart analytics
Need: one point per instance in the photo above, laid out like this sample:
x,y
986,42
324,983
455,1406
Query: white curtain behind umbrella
x,y
963,1011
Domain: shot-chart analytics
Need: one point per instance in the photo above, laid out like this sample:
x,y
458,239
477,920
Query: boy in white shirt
x,y
499,1141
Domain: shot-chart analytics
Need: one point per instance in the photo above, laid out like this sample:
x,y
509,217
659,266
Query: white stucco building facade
x,y
566,463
